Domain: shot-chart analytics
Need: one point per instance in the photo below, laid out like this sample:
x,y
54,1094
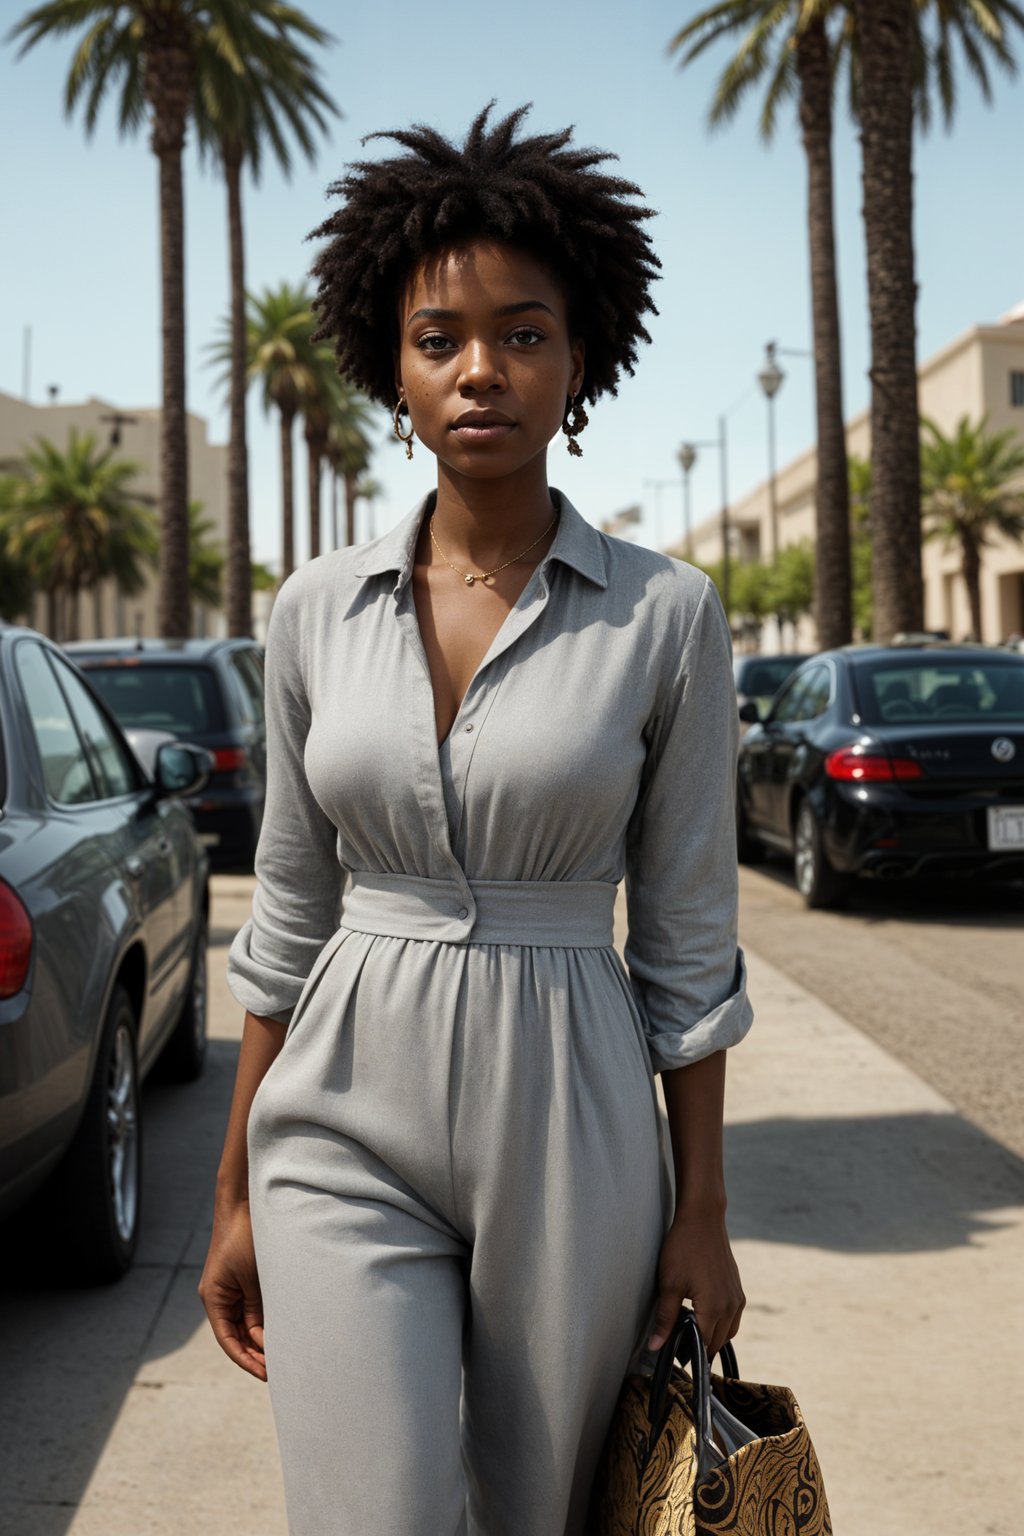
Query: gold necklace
x,y
468,576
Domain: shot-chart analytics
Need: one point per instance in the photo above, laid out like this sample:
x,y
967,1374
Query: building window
x,y
1017,386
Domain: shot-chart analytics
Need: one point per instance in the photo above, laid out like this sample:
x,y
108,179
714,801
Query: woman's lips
x,y
482,432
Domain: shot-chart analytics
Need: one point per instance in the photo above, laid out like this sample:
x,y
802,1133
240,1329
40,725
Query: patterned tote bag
x,y
705,1455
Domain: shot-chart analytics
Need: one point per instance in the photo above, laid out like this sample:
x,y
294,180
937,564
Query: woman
x,y
452,1187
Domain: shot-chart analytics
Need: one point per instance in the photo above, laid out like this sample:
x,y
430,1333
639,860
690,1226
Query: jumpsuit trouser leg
x,y
457,1208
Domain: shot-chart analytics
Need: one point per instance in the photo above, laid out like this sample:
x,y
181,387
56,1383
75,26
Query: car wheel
x,y
818,883
748,849
184,1055
95,1198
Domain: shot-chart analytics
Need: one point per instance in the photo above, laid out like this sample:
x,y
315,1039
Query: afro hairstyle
x,y
536,193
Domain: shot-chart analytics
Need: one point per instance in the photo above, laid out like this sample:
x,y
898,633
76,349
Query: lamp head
x,y
770,378
687,457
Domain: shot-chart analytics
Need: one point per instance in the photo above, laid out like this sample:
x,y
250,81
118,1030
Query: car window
x,y
175,698
942,688
818,691
65,767
789,703
762,676
252,679
109,757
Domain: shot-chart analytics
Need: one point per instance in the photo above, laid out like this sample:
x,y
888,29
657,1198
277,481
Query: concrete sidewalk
x,y
881,1242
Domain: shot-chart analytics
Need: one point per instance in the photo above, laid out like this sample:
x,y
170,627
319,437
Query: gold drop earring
x,y
403,437
573,428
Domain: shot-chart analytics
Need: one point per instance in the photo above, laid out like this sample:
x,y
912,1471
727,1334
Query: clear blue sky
x,y
80,253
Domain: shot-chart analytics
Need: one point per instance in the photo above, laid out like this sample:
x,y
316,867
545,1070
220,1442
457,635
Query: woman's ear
x,y
399,389
577,352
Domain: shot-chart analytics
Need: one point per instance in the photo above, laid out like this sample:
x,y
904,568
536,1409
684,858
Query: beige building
x,y
980,372
106,612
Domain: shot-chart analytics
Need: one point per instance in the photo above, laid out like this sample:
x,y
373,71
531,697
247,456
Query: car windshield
x,y
763,676
182,700
957,690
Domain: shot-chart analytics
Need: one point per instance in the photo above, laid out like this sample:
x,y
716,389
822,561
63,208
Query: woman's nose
x,y
481,368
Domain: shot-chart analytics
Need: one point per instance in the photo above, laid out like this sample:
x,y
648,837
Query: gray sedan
x,y
103,915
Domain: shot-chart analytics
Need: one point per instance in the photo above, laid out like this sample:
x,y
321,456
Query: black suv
x,y
209,692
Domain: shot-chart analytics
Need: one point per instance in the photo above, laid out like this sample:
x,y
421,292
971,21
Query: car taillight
x,y
15,942
862,765
229,759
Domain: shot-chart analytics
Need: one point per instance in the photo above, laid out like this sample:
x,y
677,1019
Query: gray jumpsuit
x,y
458,1184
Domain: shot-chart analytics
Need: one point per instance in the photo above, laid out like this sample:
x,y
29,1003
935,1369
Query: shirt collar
x,y
576,543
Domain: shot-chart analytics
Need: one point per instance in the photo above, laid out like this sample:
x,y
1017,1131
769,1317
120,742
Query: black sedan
x,y
209,692
888,761
103,923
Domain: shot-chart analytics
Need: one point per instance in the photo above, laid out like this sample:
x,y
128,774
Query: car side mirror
x,y
750,712
181,769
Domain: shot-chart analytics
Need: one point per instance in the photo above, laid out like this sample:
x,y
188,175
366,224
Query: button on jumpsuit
x,y
458,1182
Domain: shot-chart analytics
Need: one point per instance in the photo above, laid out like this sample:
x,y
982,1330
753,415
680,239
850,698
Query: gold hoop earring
x,y
403,437
573,428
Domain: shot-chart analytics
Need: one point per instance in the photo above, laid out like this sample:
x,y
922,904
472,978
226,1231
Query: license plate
x,y
1006,826
208,839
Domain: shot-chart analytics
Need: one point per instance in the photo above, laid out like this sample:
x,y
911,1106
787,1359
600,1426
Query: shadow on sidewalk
x,y
869,1184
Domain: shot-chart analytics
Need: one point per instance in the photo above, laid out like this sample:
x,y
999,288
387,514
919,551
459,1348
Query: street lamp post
x,y
690,451
770,379
687,458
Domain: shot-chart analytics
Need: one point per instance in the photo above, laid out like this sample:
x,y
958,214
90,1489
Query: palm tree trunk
x,y
350,510
168,89
287,494
832,581
334,509
887,134
313,460
239,569
73,606
53,614
971,568
97,611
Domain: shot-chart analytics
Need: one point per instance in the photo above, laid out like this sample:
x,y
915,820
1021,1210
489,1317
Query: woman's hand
x,y
230,1288
697,1264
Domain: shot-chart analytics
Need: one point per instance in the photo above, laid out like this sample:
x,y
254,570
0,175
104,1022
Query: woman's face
x,y
485,359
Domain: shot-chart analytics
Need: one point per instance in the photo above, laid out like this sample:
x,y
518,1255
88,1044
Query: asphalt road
x,y
933,972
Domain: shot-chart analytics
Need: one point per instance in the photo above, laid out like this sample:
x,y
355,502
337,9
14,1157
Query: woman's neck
x,y
486,521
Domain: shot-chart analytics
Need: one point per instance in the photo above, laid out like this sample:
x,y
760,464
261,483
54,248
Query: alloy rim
x,y
123,1134
804,857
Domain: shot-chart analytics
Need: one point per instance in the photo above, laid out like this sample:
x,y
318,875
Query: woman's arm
x,y
229,1285
696,1259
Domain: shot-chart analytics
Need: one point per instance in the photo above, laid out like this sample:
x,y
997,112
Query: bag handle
x,y
686,1344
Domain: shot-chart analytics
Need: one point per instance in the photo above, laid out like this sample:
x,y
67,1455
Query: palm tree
x,y
205,560
161,55
278,352
243,104
349,449
71,518
322,401
787,48
967,480
901,57
15,580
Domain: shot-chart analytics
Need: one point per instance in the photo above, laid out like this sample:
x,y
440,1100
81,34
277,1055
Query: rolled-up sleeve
x,y
298,892
686,969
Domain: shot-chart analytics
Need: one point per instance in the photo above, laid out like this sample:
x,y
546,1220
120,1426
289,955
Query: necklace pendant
x,y
469,580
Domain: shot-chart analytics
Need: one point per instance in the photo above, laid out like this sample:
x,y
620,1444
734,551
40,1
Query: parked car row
x,y
103,930
887,761
209,692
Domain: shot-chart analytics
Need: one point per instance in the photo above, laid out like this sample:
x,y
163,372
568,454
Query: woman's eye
x,y
433,343
526,335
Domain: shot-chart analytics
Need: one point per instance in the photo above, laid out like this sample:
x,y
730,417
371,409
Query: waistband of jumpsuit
x,y
568,914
